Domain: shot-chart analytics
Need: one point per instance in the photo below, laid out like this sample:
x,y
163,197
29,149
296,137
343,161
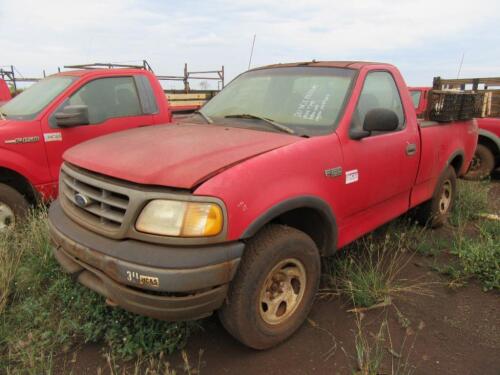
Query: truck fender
x,y
21,165
491,136
456,160
18,181
317,204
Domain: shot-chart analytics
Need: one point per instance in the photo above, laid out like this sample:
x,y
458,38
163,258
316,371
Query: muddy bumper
x,y
168,283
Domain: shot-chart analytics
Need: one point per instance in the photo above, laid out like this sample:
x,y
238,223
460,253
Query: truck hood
x,y
179,155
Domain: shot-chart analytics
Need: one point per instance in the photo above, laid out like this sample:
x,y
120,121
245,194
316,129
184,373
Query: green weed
x,y
479,257
471,200
368,271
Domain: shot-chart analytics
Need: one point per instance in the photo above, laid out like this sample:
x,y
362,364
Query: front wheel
x,y
435,212
13,206
274,289
483,163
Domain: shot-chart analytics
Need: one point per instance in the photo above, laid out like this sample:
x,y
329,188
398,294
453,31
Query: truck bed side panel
x,y
441,143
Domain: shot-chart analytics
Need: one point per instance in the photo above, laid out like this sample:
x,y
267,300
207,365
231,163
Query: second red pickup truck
x,y
60,111
233,209
487,154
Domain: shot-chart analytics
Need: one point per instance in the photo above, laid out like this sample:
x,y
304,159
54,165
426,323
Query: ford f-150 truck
x,y
58,112
487,155
233,209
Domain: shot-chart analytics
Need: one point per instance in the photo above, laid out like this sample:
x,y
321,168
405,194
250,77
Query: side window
x,y
379,91
107,98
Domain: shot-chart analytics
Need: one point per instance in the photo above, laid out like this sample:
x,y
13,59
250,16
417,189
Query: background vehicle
x,y
58,112
487,154
4,92
288,163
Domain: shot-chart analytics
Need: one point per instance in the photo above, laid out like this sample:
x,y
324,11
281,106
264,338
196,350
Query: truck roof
x,y
334,64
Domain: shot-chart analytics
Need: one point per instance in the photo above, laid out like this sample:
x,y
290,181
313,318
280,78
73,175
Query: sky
x,y
423,38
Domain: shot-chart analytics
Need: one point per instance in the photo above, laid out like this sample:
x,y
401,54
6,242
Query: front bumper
x,y
168,283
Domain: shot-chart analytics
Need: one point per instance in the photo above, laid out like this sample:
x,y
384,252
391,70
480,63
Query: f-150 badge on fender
x,y
16,141
333,172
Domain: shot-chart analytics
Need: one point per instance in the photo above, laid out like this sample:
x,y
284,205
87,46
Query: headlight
x,y
180,219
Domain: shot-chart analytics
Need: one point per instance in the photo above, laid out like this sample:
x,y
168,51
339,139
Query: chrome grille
x,y
105,207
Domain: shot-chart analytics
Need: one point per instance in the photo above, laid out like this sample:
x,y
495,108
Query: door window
x,y
107,98
379,91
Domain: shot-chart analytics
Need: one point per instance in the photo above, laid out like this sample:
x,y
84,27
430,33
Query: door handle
x,y
411,149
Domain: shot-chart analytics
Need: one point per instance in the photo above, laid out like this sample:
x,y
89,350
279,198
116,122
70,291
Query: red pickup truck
x,y
487,155
5,95
233,209
58,112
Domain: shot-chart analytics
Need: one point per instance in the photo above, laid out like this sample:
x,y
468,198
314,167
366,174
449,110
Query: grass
x,y
368,271
476,240
44,313
149,365
471,200
479,257
372,351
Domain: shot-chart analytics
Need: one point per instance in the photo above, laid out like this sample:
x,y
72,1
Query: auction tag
x,y
351,176
52,137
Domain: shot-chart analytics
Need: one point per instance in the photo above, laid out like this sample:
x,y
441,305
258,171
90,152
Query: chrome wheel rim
x,y
7,217
445,201
282,291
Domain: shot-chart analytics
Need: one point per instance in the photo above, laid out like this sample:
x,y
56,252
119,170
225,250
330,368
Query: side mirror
x,y
72,115
377,119
380,120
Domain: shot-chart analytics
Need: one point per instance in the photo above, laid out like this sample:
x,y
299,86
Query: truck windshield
x,y
30,102
308,100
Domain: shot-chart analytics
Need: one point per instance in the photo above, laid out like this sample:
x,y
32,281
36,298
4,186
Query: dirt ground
x,y
456,331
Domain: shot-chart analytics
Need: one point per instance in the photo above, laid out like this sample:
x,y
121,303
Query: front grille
x,y
105,206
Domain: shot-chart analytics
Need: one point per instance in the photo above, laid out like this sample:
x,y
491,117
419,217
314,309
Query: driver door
x,y
380,169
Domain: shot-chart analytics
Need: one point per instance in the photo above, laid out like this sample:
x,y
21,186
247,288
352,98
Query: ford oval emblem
x,y
82,200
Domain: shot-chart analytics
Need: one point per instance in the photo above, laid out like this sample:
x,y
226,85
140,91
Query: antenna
x,y
460,66
251,51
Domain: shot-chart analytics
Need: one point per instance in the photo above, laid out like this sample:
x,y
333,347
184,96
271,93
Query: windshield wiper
x,y
205,117
2,115
276,125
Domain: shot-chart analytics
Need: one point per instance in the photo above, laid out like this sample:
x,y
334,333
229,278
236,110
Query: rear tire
x,y
482,164
435,211
274,288
13,206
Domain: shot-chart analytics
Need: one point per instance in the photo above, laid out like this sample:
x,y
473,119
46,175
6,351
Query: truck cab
x,y
60,111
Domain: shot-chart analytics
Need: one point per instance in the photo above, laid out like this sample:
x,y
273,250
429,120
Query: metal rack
x,y
207,75
486,88
8,74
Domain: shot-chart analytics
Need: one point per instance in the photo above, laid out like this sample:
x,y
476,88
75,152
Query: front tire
x,y
435,212
483,163
13,206
274,289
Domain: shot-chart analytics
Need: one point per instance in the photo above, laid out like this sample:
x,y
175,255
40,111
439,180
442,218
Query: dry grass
x,y
372,351
151,365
